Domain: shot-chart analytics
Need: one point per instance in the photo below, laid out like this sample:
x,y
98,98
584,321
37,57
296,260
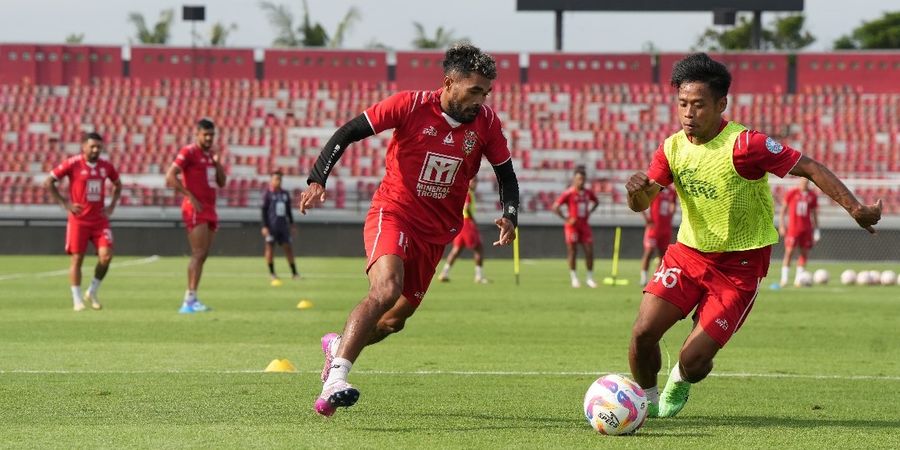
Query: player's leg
x,y
588,247
385,287
289,255
649,245
655,317
268,250
200,239
104,258
451,258
478,258
571,257
75,280
801,263
786,261
76,244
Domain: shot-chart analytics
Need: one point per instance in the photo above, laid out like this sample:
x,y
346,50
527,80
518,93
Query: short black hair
x,y
278,173
467,58
699,67
580,170
205,124
92,135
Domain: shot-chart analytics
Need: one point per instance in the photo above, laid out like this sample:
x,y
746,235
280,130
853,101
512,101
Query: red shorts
x,y
803,239
79,233
722,286
192,218
657,240
469,237
579,233
387,233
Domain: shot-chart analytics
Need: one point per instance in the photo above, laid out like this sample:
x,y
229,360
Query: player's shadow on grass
x,y
766,422
505,422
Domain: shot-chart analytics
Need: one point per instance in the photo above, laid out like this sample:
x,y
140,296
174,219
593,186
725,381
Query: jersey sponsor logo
x,y
448,140
469,142
668,277
697,188
774,146
437,175
430,131
94,188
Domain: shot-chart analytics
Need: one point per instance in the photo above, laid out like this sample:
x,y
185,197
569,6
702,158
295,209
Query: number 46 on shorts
x,y
667,276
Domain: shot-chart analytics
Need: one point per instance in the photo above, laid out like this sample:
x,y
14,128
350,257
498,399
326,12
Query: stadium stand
x,y
601,111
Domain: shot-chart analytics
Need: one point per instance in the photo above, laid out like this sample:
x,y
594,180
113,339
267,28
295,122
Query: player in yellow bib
x,y
720,172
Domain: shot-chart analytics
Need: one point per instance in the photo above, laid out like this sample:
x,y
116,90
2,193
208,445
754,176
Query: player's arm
x,y
641,191
557,208
173,180
509,198
643,187
220,170
355,130
50,185
864,215
117,193
265,215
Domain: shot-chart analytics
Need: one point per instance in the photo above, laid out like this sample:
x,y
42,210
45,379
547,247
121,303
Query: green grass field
x,y
479,366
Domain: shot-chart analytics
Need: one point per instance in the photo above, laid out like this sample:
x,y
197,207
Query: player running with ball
x,y
439,139
720,171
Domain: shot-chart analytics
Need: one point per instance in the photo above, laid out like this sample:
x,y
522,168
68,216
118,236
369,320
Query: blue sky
x,y
492,24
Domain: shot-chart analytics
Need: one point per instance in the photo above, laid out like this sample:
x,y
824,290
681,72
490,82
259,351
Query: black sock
x,y
272,269
293,268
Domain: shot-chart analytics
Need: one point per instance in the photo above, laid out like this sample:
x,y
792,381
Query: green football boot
x,y
673,398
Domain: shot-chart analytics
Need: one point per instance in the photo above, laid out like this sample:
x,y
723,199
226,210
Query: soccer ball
x,y
848,277
820,276
615,405
874,277
888,277
862,278
804,279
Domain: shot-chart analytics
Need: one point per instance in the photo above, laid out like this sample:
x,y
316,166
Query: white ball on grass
x,y
888,277
848,277
820,276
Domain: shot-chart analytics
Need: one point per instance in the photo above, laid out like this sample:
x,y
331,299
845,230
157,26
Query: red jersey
x,y
430,160
198,172
87,185
578,203
801,206
662,209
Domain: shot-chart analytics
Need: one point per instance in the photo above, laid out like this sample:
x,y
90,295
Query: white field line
x,y
211,273
53,273
456,373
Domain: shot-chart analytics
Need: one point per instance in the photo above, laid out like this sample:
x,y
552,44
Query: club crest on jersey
x,y
103,172
774,146
449,139
430,131
469,142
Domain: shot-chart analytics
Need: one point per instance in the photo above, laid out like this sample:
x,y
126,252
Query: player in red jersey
x,y
438,143
88,217
658,231
799,221
720,170
580,203
195,173
469,237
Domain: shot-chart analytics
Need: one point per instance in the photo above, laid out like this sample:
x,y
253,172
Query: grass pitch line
x,y
455,373
53,273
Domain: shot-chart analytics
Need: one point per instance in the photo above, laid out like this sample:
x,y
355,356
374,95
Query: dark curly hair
x,y
699,67
467,58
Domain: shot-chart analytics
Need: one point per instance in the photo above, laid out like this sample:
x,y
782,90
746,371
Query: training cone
x,y
304,304
275,282
280,365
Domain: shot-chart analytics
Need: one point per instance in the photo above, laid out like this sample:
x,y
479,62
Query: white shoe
x,y
576,284
95,302
590,283
79,307
482,280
